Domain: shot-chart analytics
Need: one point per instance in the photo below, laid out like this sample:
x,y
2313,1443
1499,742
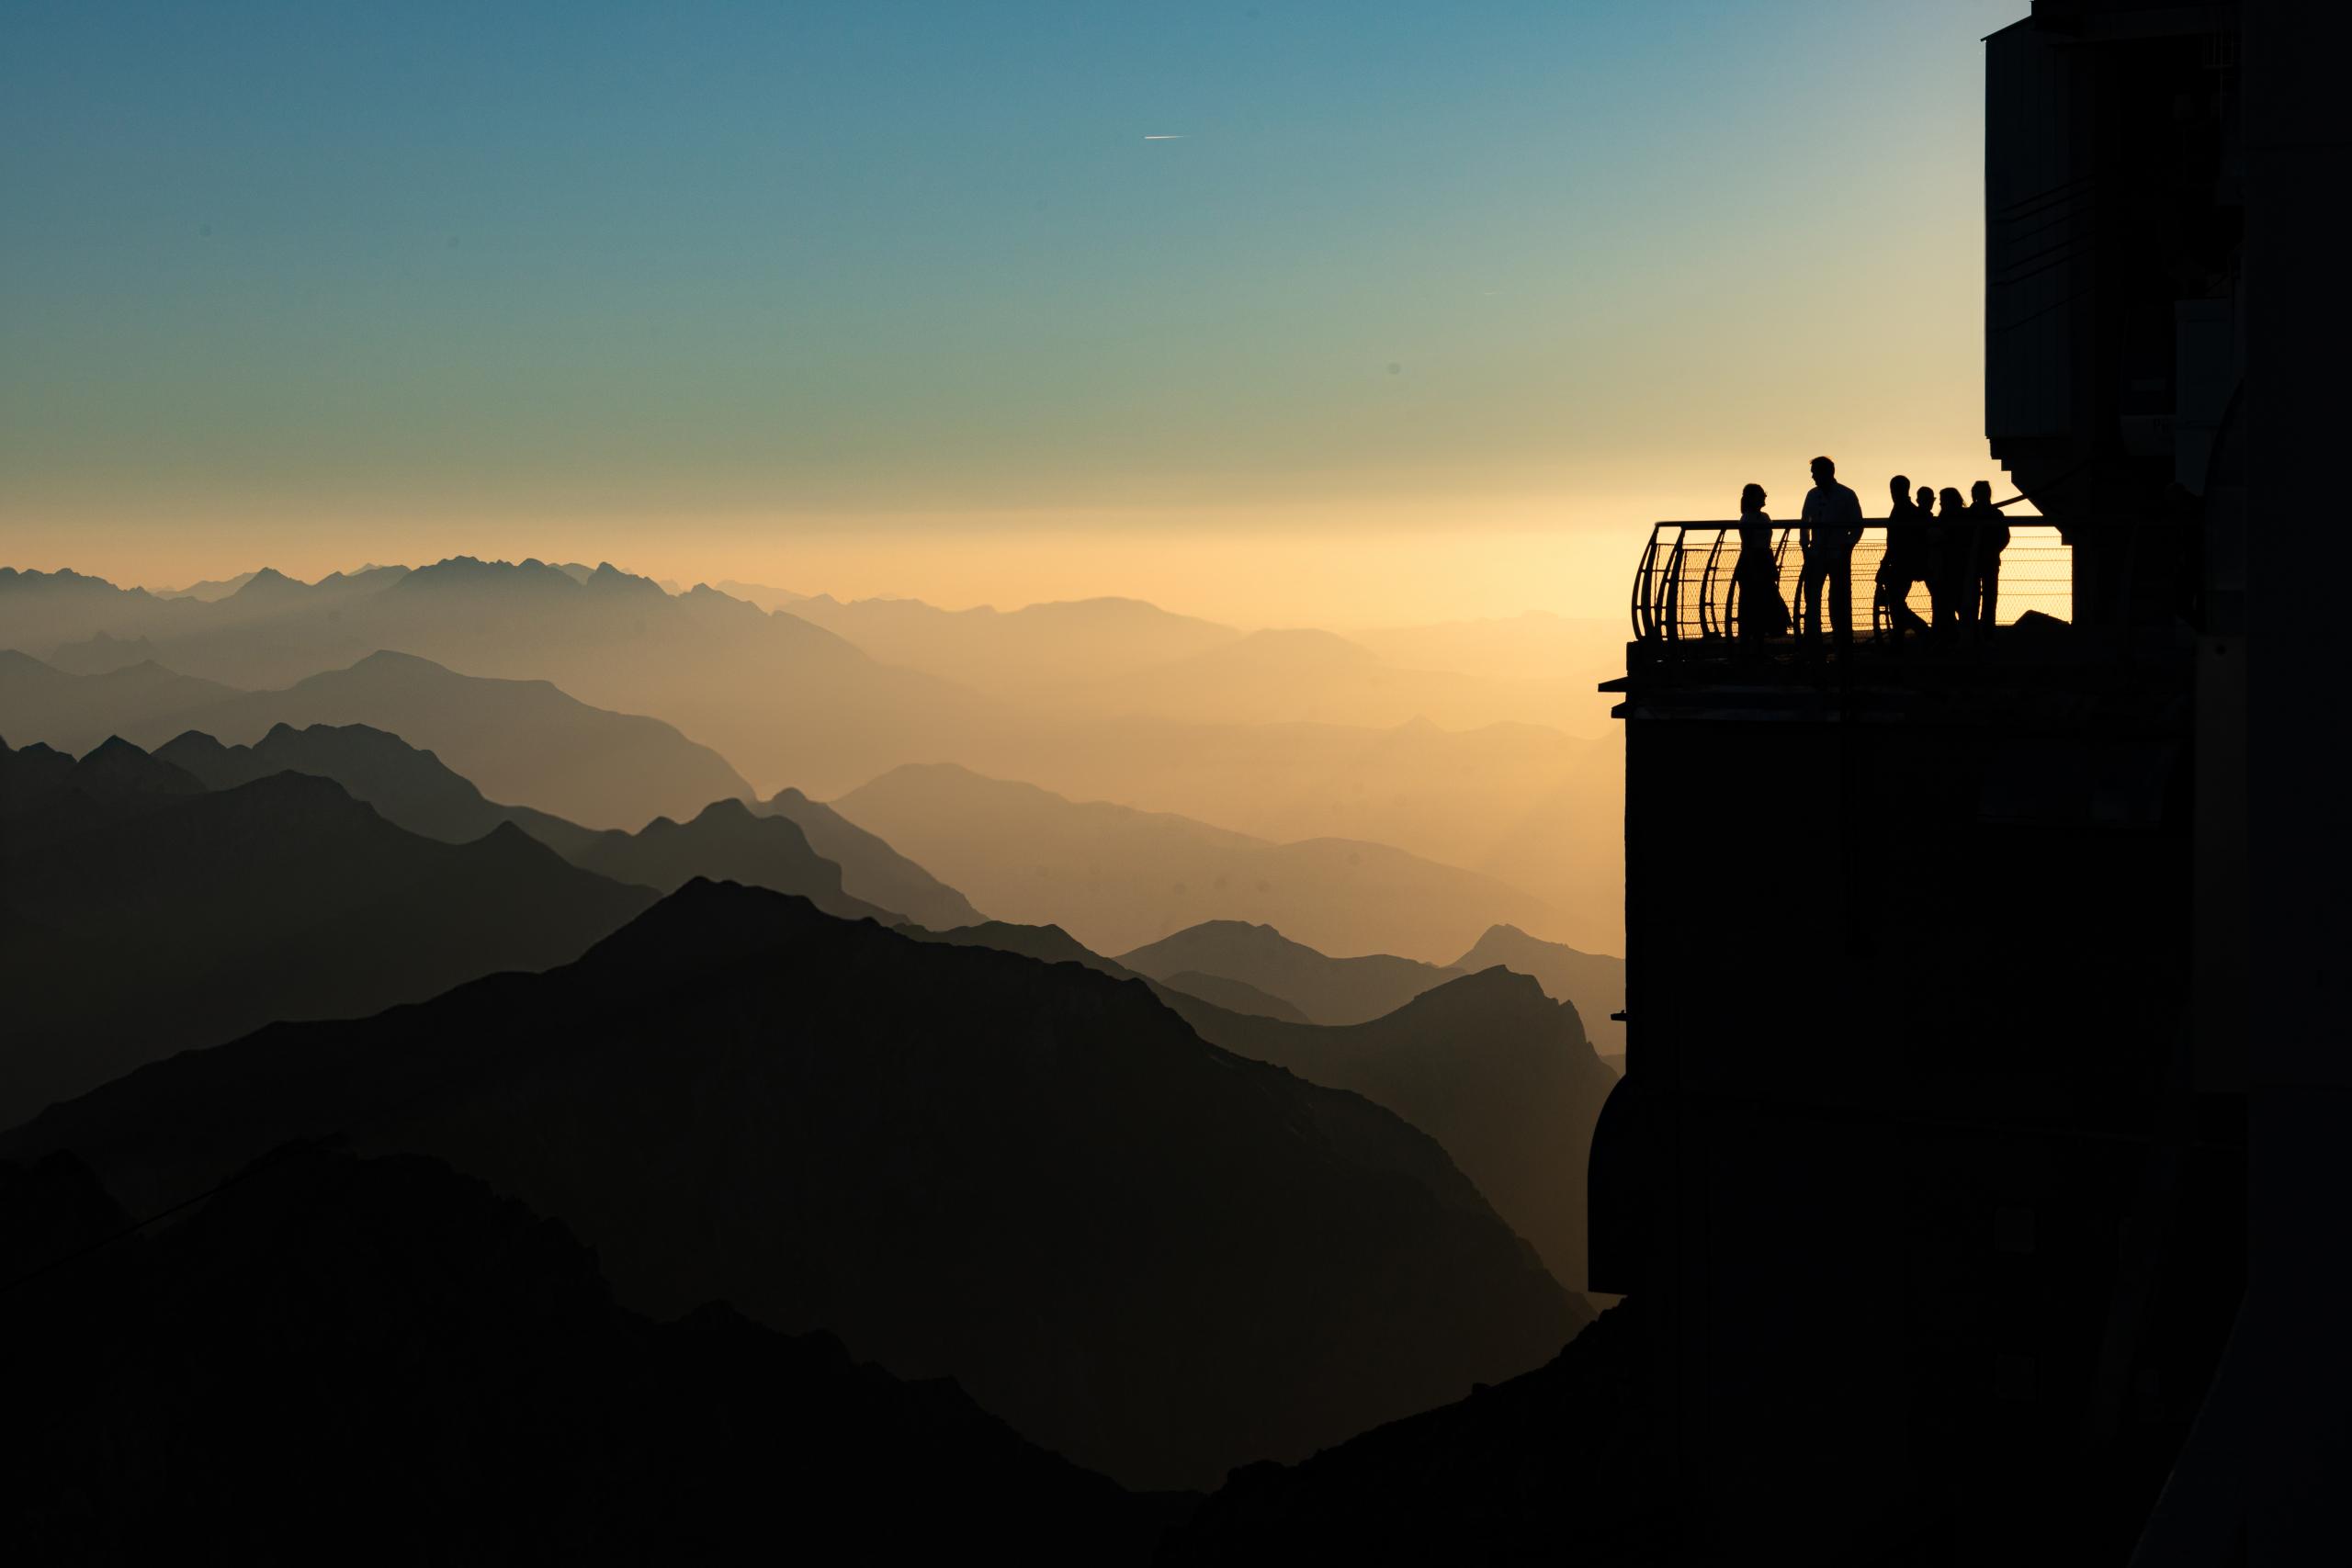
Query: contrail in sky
x,y
1163,138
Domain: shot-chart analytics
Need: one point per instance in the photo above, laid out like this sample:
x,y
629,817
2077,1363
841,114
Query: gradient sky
x,y
1425,310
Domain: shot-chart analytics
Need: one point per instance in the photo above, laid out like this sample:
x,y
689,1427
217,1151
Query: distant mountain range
x,y
1142,1251
1115,878
1037,649
1355,990
141,914
787,700
519,740
207,591
759,594
329,1334
1327,990
1285,735
412,788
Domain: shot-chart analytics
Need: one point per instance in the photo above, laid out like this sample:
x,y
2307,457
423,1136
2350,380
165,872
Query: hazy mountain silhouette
x,y
1047,944
1234,996
380,1359
1545,1467
1488,1065
1305,675
42,609
789,701
781,696
1586,651
726,842
1039,647
102,655
1326,989
1142,1251
411,788
208,591
1595,982
1051,944
758,593
195,917
519,740
1108,657
871,869
1115,878
1527,806
74,713
524,741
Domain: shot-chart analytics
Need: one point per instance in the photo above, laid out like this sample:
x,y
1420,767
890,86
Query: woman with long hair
x,y
1762,613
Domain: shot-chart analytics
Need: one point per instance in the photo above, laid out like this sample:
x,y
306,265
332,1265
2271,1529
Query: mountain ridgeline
x,y
145,914
1153,1257
410,787
1116,878
1356,991
520,740
1503,767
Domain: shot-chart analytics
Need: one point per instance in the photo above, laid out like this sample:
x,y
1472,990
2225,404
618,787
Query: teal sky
x,y
704,285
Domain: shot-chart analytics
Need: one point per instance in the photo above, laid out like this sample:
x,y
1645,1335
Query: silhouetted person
x,y
1903,563
1832,523
1762,612
1956,566
1989,536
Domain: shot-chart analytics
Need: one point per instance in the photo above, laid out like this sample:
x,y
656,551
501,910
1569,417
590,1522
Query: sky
x,y
1277,311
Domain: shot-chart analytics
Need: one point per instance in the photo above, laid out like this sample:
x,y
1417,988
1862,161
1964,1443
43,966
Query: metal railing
x,y
1687,587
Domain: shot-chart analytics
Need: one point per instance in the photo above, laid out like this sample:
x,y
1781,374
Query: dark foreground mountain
x,y
1498,1073
380,1360
518,740
195,917
1147,1254
1051,944
1544,1468
411,788
1595,982
1326,989
1488,1065
1115,878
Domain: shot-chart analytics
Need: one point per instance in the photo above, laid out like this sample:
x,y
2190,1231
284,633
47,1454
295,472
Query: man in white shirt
x,y
1830,527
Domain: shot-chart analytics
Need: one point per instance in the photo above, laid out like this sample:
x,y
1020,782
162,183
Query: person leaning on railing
x,y
1762,612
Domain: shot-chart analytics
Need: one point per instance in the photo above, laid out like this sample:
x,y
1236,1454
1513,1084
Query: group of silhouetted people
x,y
1953,547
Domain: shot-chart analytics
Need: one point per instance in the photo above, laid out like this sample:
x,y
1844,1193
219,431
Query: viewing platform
x,y
1685,592
2058,651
